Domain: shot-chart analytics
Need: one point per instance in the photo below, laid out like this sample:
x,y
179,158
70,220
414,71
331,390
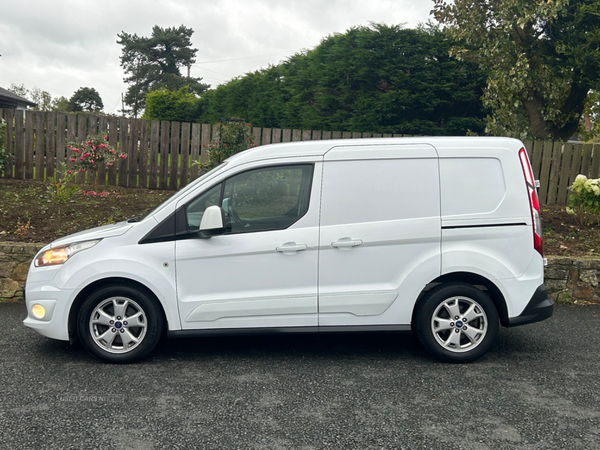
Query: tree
x,y
19,89
543,60
60,104
86,99
380,78
155,62
44,99
180,105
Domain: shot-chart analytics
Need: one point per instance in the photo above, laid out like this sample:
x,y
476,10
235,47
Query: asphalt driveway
x,y
538,389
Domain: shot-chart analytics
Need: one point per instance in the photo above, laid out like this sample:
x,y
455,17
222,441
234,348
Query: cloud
x,y
62,45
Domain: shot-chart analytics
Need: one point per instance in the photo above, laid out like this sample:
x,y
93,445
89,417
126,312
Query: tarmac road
x,y
539,388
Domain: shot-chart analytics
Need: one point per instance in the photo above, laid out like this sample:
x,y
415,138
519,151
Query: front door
x,y
263,271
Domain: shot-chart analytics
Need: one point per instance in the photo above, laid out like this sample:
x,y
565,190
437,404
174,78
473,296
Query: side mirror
x,y
212,222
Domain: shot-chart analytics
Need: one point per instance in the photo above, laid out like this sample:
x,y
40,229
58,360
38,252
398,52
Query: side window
x,y
195,209
269,198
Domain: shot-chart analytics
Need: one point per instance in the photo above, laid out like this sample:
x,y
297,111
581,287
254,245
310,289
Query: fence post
x,y
9,117
19,137
132,158
39,145
113,139
51,132
266,136
29,145
143,163
154,143
174,154
195,150
81,135
554,173
185,153
164,154
565,169
205,142
276,135
122,165
102,125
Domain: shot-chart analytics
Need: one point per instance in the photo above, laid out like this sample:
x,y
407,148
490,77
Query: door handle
x,y
290,248
346,243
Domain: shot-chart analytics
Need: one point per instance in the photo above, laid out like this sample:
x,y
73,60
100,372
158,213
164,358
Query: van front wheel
x,y
119,324
457,322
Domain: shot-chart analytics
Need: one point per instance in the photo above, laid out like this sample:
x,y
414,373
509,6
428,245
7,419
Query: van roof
x,y
319,148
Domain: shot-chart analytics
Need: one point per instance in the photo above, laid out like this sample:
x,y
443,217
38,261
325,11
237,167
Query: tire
x,y
119,324
452,340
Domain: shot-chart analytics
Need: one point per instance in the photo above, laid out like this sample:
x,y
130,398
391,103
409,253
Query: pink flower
x,y
70,172
82,170
72,159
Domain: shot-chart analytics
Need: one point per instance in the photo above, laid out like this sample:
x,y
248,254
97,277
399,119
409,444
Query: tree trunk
x,y
537,124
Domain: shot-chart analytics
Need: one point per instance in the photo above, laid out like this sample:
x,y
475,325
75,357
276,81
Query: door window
x,y
195,209
270,198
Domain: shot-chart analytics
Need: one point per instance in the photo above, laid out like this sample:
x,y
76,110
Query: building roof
x,y
9,97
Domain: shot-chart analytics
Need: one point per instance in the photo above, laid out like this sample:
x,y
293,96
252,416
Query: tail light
x,y
534,202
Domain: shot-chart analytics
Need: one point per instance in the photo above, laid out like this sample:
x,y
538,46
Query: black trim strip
x,y
292,330
453,227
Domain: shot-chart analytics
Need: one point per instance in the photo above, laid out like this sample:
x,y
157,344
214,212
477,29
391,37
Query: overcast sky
x,y
62,45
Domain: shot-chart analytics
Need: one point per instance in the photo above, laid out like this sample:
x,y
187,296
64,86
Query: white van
x,y
441,236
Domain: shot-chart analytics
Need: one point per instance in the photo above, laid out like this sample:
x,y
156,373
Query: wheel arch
x,y
94,286
472,279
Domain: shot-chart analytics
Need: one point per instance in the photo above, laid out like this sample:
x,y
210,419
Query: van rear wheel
x,y
457,322
119,324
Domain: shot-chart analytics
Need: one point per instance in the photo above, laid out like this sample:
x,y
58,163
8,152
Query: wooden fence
x,y
160,153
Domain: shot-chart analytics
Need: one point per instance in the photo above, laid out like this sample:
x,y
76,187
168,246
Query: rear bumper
x,y
539,308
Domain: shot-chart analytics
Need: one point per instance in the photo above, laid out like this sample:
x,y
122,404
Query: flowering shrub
x,y
92,153
3,155
231,137
584,200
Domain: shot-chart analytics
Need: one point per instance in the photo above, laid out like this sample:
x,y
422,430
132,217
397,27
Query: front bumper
x,y
41,290
539,308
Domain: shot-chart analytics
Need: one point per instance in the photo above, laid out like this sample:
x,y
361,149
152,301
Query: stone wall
x,y
567,279
573,280
14,264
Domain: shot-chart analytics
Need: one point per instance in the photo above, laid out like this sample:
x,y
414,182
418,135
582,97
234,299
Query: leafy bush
x,y
584,200
60,189
231,137
178,106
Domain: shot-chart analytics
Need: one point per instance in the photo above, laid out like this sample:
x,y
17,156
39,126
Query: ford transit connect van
x,y
441,236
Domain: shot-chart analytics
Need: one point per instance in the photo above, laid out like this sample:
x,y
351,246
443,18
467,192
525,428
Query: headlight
x,y
60,255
